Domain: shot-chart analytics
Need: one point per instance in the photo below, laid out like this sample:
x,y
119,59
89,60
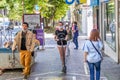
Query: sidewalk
x,y
48,64
109,68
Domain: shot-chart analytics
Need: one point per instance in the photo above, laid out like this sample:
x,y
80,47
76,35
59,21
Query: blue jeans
x,y
94,67
75,40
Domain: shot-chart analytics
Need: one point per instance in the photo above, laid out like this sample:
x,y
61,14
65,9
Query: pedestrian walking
x,y
61,38
36,42
24,40
75,34
92,54
69,32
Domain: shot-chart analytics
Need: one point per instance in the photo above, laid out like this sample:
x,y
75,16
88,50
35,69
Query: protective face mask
x,y
60,27
24,30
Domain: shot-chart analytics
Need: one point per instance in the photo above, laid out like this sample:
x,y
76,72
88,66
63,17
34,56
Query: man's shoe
x,y
76,48
23,73
25,77
64,69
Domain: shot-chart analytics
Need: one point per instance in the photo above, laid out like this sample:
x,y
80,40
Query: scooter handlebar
x,y
61,39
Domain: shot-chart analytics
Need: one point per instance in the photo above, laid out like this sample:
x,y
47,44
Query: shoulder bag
x,y
97,50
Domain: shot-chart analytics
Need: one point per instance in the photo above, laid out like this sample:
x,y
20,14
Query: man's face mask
x,y
24,30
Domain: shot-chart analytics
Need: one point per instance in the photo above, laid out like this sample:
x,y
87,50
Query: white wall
x,y
89,20
4,19
84,20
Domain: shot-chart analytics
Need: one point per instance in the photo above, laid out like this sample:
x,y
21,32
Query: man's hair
x,y
26,24
75,22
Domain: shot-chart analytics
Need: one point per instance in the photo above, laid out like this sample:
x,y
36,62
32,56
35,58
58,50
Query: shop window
x,y
109,23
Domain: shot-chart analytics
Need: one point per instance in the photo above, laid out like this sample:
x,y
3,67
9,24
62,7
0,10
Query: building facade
x,y
104,15
110,27
106,18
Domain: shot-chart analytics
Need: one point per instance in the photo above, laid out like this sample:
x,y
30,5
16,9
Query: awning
x,y
78,1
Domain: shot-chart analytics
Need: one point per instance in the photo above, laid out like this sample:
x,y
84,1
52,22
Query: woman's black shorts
x,y
63,41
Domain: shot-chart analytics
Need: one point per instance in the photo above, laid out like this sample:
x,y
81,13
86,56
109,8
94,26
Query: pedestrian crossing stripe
x,y
56,78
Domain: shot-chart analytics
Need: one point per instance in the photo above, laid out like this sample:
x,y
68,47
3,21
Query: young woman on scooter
x,y
61,38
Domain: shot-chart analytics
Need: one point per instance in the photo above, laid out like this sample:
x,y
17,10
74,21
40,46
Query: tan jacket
x,y
30,44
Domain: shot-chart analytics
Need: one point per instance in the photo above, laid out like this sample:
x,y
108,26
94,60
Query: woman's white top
x,y
93,56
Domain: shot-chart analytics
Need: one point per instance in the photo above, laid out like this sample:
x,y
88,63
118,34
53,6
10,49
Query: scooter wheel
x,y
64,69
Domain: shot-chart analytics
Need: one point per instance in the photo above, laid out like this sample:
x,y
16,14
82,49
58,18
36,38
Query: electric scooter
x,y
64,65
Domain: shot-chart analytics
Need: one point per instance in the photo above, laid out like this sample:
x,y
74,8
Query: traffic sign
x,y
37,7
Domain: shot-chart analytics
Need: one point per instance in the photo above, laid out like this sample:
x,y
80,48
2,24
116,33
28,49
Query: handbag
x,y
86,68
97,50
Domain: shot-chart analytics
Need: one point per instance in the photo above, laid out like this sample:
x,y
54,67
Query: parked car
x,y
7,25
15,31
1,27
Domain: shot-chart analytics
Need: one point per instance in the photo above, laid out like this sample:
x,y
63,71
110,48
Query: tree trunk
x,y
53,23
46,22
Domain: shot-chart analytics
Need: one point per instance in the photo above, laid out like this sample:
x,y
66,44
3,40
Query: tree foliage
x,y
59,9
50,9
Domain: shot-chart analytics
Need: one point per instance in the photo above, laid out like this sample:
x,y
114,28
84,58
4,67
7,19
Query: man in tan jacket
x,y
24,40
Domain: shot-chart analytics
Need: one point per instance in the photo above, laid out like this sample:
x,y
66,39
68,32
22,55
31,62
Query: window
x,y
109,23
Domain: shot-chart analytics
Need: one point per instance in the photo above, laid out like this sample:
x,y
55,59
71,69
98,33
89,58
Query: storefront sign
x,y
34,24
32,19
69,1
77,1
40,36
94,2
104,0
83,1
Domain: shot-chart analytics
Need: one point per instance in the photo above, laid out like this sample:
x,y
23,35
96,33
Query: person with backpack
x,y
93,55
61,38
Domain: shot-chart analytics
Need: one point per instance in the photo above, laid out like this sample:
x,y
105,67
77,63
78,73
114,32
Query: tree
x,y
50,9
57,11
